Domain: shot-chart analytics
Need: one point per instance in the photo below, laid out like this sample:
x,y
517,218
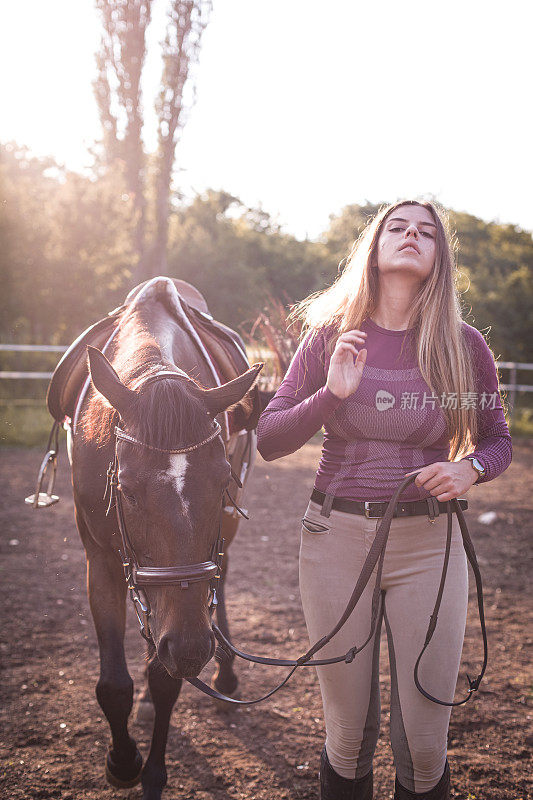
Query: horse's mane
x,y
165,414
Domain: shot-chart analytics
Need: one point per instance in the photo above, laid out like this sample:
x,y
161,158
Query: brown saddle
x,y
224,345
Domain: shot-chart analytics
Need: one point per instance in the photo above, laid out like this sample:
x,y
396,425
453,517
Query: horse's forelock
x,y
166,415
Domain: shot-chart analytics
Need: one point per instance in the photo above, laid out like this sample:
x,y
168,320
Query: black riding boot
x,y
439,792
334,787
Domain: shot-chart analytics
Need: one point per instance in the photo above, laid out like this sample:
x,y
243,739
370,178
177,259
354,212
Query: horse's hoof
x,y
143,712
123,776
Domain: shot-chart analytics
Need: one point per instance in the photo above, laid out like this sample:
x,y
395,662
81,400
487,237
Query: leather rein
x,y
138,577
375,556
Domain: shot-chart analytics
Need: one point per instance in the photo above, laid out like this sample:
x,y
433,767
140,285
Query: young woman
x,y
400,383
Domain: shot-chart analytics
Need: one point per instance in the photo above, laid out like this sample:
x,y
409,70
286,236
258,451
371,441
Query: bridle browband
x,y
137,577
120,434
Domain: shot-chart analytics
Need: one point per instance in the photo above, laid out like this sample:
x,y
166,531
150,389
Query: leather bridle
x,y
140,577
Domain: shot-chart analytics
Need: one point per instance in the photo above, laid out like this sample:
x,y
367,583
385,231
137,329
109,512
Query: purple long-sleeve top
x,y
391,424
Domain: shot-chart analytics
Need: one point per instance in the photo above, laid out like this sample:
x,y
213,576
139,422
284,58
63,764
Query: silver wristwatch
x,y
476,463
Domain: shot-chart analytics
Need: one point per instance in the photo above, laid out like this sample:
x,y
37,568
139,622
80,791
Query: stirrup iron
x,y
43,499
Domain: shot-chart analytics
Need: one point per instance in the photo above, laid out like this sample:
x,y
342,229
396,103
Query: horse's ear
x,y
240,395
107,382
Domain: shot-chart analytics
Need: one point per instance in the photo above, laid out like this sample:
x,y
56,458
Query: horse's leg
x,y
224,679
114,690
164,692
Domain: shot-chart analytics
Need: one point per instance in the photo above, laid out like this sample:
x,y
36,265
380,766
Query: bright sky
x,y
306,106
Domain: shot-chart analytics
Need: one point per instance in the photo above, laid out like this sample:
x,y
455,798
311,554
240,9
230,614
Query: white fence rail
x,y
513,387
34,348
31,348
513,366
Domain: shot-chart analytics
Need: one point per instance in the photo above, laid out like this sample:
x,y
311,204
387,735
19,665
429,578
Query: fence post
x,y
513,390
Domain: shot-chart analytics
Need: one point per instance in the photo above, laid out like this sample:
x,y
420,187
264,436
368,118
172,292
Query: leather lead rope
x,y
473,684
375,556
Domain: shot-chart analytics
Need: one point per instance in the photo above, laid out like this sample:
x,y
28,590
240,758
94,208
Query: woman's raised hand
x,y
344,374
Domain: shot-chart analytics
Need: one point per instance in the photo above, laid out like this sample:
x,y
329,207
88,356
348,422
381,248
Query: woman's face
x,y
407,242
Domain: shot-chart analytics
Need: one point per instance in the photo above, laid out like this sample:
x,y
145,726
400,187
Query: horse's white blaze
x,y
176,473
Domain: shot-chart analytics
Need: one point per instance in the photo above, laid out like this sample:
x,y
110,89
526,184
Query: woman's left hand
x,y
446,480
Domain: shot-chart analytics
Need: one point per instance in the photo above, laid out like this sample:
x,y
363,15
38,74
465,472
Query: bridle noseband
x,y
138,577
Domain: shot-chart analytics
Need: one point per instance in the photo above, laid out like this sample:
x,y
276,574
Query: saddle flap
x,y
71,372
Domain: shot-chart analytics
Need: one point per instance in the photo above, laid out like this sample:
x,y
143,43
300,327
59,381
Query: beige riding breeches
x,y
332,552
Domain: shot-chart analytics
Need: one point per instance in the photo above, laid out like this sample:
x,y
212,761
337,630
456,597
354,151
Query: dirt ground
x,y
54,736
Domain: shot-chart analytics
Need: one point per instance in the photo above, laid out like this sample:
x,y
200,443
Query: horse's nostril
x,y
167,650
185,658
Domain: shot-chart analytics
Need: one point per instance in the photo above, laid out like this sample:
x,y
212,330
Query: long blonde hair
x,y
444,357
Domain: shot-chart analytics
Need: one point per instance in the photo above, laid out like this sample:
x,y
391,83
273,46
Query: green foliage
x,y
27,425
236,257
345,228
522,422
67,256
497,262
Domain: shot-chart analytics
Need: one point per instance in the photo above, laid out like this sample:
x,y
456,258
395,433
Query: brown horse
x,y
172,471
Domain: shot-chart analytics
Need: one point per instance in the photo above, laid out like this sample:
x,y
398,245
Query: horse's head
x,y
172,501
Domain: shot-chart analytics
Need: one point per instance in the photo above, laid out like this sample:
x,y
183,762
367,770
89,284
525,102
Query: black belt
x,y
375,509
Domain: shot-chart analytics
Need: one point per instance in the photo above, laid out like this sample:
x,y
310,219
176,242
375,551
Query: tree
x,y
120,63
117,89
238,258
67,256
496,262
344,228
181,46
65,248
26,232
